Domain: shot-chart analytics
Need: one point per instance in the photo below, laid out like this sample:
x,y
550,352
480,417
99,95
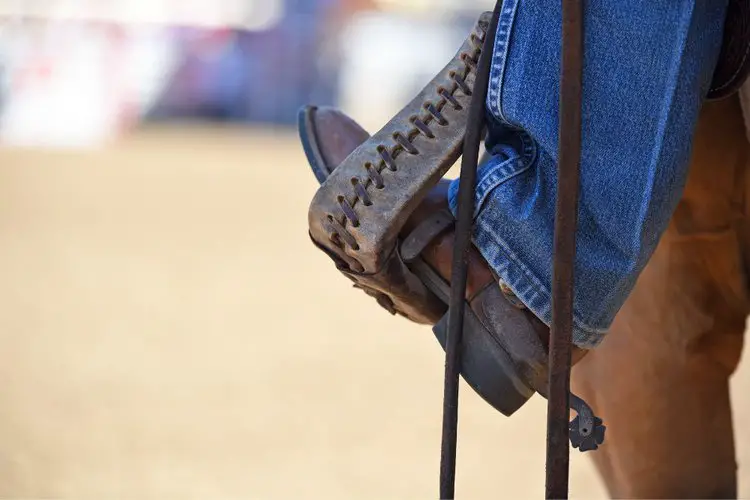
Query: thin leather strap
x,y
564,247
425,233
459,275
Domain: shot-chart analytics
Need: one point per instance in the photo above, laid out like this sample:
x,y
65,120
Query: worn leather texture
x,y
396,167
359,210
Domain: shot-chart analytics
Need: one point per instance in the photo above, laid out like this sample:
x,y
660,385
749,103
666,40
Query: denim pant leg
x,y
648,66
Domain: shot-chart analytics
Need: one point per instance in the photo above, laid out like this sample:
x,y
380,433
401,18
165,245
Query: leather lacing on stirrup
x,y
375,173
362,207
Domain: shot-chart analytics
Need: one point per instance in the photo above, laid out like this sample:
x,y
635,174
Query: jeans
x,y
647,69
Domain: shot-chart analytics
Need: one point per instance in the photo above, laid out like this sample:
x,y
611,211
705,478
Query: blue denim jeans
x,y
648,67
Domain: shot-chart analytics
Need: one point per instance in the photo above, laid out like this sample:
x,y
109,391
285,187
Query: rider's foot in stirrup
x,y
381,215
505,346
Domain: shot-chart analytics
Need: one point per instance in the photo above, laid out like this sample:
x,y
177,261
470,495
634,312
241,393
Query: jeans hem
x,y
528,287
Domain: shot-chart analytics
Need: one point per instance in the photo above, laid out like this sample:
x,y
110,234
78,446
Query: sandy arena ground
x,y
168,331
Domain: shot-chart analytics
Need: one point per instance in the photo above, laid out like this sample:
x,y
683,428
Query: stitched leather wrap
x,y
357,213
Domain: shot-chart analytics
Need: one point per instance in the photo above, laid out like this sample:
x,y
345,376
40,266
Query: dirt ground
x,y
168,331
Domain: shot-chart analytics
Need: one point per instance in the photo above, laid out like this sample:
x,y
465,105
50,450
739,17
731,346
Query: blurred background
x,y
167,329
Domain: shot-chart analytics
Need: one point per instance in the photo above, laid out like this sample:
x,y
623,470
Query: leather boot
x,y
329,137
381,215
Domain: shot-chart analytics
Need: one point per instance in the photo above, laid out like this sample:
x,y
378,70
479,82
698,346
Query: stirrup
x,y
357,216
502,358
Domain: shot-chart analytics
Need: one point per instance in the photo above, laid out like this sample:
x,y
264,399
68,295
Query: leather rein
x,y
566,218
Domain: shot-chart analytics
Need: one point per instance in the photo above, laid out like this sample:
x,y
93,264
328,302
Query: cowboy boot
x,y
381,214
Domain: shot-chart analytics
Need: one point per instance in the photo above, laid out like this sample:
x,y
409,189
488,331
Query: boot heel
x,y
486,366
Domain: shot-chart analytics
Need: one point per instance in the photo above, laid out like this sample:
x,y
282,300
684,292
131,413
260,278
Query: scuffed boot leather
x,y
505,346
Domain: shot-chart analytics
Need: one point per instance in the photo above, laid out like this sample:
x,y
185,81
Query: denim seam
x,y
493,175
529,288
525,284
499,173
500,57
